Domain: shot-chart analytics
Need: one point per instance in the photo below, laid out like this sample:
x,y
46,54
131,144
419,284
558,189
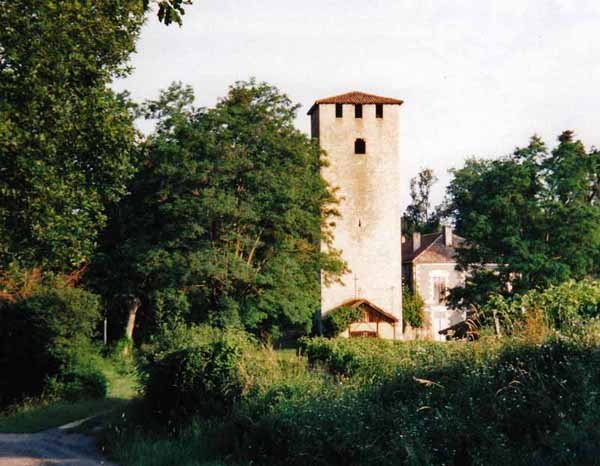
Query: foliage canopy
x,y
534,216
225,217
65,137
419,216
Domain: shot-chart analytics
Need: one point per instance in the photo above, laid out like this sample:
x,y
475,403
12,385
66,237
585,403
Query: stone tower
x,y
360,133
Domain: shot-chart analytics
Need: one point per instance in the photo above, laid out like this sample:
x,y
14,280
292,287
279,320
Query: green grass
x,y
38,415
188,448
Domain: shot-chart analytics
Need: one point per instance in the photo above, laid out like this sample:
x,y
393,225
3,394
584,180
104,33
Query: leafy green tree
x,y
419,216
65,137
572,205
225,218
413,308
531,219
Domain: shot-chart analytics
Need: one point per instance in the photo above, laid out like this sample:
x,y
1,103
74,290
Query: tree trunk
x,y
497,324
134,305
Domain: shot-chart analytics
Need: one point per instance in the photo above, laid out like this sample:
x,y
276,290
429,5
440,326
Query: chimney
x,y
447,235
416,240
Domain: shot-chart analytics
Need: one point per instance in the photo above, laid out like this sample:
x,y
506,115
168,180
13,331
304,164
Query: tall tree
x,y
531,219
65,137
571,202
225,218
419,216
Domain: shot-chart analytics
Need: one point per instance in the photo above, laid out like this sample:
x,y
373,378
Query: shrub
x,y
413,308
463,403
490,402
566,303
40,334
198,379
338,320
562,306
79,383
376,359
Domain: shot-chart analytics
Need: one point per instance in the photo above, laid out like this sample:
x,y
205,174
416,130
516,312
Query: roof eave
x,y
358,301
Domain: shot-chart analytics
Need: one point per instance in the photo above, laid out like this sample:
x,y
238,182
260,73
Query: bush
x,y
40,334
463,403
490,402
196,380
413,308
376,359
79,383
562,306
337,320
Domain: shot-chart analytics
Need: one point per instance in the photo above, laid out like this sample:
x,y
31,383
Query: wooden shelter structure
x,y
375,322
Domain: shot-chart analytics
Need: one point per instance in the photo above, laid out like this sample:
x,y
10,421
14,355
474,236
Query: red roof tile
x,y
356,97
433,244
357,302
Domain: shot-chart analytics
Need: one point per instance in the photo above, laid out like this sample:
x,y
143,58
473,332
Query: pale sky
x,y
478,77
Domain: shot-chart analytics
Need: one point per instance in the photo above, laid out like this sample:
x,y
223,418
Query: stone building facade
x,y
360,134
429,267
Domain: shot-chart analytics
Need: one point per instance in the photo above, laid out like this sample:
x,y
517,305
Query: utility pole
x,y
105,330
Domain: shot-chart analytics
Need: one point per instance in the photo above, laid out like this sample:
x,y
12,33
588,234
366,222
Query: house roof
x,y
365,302
356,97
433,250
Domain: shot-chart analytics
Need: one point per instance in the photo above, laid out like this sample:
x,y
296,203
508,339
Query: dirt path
x,y
51,447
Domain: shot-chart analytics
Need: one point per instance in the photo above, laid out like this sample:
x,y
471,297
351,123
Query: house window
x,y
339,110
360,146
358,111
379,110
439,290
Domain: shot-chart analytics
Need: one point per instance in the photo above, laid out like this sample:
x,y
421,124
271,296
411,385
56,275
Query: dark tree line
x,y
534,214
531,219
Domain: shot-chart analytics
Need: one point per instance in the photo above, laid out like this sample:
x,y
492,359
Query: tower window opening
x,y
379,110
339,110
358,111
360,146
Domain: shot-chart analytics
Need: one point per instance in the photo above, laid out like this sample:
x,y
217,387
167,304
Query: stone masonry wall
x,y
368,232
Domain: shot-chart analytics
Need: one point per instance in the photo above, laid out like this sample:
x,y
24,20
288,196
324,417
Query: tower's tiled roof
x,y
356,97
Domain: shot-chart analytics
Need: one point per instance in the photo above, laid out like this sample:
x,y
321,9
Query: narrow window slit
x,y
360,146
